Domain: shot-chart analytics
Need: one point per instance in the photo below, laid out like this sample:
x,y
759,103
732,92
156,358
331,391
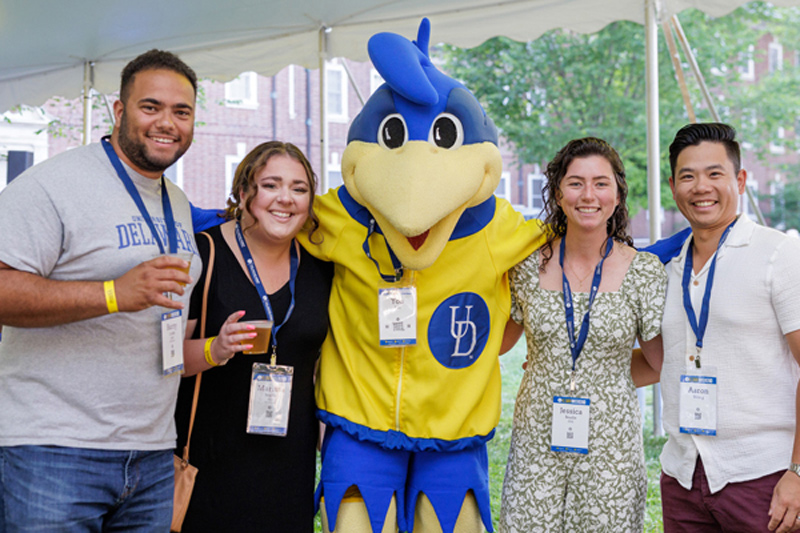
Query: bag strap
x,y
203,332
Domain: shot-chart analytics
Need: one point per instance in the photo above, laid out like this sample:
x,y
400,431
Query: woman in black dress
x,y
249,478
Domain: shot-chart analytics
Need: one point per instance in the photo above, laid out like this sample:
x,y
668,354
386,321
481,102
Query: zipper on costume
x,y
412,275
399,389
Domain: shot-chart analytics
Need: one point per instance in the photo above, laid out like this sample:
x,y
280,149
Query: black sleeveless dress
x,y
254,482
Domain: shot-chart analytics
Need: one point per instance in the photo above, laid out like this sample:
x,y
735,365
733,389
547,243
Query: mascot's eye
x,y
447,132
392,133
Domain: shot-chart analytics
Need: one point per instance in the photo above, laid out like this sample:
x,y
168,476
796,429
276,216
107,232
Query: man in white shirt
x,y
730,373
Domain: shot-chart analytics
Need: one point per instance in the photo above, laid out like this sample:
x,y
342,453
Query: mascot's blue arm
x,y
669,248
202,219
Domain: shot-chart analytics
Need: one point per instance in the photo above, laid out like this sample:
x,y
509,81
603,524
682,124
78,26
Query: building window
x,y
334,172
748,66
776,191
778,147
231,162
243,91
175,173
337,93
375,80
752,184
292,109
775,56
536,181
504,187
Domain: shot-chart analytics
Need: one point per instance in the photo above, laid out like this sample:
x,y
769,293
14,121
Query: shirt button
x,y
696,283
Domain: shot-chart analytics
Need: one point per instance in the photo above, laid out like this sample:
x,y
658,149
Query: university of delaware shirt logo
x,y
137,233
459,329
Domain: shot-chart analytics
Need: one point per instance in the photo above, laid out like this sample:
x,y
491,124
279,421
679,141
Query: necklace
x,y
579,278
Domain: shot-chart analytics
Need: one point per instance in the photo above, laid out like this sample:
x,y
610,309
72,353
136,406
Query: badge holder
x,y
570,428
397,311
698,400
270,398
171,343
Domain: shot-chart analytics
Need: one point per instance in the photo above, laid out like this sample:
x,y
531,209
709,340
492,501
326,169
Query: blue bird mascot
x,y
409,383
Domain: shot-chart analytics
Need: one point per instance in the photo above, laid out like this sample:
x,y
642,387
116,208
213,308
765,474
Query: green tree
x,y
784,212
566,85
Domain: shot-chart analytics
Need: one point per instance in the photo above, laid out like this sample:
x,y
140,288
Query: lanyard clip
x,y
572,383
273,359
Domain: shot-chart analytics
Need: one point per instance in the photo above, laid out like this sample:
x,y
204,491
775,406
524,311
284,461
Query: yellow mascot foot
x,y
469,518
353,517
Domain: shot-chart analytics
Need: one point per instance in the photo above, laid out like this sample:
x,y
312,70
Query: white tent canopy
x,y
45,44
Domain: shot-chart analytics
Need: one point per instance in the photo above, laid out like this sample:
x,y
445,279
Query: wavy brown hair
x,y
244,183
556,220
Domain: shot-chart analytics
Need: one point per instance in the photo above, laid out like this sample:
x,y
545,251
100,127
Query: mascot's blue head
x,y
421,152
418,93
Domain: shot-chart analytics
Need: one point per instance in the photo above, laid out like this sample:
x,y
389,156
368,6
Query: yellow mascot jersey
x,y
444,392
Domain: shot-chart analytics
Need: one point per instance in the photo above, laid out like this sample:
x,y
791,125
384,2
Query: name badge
x,y
570,432
698,401
270,398
397,315
171,343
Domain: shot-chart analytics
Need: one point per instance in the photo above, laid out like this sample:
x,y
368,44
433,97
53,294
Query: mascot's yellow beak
x,y
418,192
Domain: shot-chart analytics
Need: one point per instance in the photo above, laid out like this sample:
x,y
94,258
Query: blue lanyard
x,y
398,267
700,328
169,219
576,346
251,266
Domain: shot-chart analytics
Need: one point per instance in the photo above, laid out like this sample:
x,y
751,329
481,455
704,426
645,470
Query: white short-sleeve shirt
x,y
755,301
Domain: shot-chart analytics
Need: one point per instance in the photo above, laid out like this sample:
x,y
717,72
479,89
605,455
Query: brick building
x,y
232,118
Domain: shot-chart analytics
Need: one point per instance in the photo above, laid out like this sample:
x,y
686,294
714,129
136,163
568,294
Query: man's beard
x,y
137,151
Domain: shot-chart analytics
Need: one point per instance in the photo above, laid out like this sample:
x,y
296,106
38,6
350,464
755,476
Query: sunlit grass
x,y
511,364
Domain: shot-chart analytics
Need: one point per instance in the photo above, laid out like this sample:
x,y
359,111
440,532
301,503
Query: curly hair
x,y
244,183
556,220
154,60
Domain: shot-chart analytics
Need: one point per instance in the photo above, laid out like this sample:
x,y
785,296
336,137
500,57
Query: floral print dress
x,y
605,490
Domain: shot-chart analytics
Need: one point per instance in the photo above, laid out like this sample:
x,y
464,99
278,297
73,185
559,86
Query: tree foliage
x,y
565,85
785,207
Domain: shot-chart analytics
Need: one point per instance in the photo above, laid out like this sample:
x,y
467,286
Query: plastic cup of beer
x,y
261,341
186,256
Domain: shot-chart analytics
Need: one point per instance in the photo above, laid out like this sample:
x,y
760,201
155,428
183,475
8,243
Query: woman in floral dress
x,y
576,462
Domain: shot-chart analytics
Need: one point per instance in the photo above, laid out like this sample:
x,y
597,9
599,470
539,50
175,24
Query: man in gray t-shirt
x,y
91,307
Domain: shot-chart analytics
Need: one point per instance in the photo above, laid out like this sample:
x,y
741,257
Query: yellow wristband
x,y
207,352
111,296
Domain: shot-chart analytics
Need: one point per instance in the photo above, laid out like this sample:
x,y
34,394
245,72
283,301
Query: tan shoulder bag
x,y
185,473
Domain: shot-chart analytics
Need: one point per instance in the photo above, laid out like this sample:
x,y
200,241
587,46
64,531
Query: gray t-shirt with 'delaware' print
x,y
94,383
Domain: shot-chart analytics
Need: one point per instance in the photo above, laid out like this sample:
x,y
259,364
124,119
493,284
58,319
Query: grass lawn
x,y
511,364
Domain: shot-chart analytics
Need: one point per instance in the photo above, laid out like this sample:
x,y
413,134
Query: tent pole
x,y
323,108
687,51
88,82
109,111
653,155
653,143
676,65
353,82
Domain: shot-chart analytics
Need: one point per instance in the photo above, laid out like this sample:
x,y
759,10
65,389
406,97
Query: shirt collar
x,y
740,235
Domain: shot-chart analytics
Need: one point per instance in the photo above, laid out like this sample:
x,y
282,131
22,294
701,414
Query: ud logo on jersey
x,y
459,329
